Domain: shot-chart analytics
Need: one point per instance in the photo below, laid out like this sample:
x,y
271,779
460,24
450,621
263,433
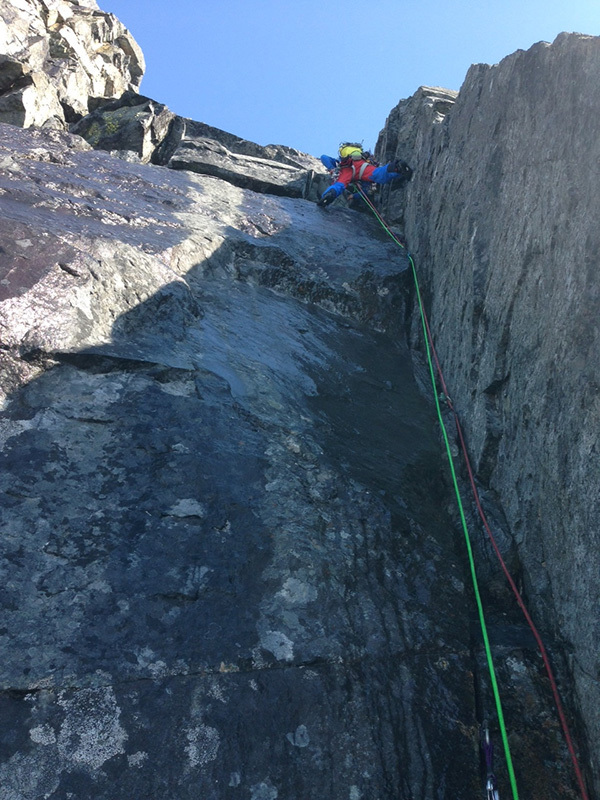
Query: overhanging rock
x,y
273,169
210,157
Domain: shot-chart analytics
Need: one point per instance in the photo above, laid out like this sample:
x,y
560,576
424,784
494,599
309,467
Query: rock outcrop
x,y
60,55
229,561
140,129
502,217
131,127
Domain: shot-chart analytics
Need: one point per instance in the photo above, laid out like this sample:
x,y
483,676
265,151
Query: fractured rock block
x,y
132,124
32,101
273,169
210,157
83,52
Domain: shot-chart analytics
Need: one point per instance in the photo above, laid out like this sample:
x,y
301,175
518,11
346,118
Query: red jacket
x,y
351,170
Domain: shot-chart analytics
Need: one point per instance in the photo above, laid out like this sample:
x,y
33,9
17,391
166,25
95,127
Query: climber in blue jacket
x,y
354,165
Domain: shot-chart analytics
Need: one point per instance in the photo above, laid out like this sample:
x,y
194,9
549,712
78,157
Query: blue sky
x,y
312,73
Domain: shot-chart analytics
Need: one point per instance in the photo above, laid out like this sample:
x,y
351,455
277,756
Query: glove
x,y
327,198
402,168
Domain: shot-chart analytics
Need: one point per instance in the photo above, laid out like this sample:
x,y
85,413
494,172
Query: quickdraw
x,y
488,753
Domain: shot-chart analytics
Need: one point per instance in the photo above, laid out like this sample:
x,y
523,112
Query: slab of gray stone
x,y
502,217
197,553
210,157
273,169
137,128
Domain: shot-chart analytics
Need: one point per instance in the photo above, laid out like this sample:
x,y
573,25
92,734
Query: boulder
x,y
132,125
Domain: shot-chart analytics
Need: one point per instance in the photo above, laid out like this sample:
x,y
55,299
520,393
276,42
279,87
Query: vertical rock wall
x,y
502,217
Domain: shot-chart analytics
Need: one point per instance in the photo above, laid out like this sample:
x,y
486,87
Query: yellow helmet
x,y
350,150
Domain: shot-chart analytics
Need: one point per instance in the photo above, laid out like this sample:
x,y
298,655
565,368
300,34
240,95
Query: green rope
x,y
482,623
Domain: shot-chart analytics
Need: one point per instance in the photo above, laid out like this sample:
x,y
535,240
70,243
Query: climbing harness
x,y
445,397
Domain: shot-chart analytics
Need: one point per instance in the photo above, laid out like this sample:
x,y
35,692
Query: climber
x,y
355,165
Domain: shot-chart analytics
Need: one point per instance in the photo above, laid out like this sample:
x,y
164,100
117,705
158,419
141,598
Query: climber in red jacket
x,y
354,165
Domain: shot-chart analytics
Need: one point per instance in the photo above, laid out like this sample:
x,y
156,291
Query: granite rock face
x,y
274,169
132,127
206,587
407,135
229,565
502,217
56,55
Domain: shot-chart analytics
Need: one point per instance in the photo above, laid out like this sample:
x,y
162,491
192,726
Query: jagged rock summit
x,y
57,58
230,563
